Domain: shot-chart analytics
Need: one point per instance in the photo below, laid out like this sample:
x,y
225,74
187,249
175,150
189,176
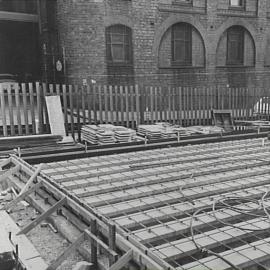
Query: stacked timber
x,y
105,137
205,130
89,133
9,143
123,135
165,131
152,132
107,134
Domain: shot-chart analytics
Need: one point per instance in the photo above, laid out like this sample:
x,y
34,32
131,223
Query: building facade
x,y
175,42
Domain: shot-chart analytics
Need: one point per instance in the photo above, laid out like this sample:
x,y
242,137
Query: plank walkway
x,y
153,196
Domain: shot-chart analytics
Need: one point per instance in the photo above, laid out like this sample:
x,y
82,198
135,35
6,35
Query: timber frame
x,y
102,233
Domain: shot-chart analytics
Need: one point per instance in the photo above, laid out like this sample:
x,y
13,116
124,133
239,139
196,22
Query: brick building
x,y
183,42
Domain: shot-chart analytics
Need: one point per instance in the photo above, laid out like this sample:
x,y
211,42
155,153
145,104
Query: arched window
x,y
236,47
181,46
119,44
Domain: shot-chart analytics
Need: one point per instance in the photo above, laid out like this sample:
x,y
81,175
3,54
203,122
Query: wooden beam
x,y
17,16
32,178
9,172
94,259
112,245
43,216
67,252
123,261
4,163
21,197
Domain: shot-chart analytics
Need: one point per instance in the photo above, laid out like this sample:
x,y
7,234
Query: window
x,y
236,3
119,44
235,45
182,44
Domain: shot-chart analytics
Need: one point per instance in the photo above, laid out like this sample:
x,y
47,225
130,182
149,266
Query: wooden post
x,y
93,245
10,109
106,110
40,118
18,108
141,106
44,90
78,92
25,109
70,89
127,105
32,107
112,245
138,116
64,88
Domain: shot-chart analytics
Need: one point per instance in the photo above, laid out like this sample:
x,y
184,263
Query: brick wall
x,y
82,25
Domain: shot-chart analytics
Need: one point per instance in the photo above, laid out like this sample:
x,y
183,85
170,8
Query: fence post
x,y
3,110
44,106
137,101
141,104
18,108
78,99
39,108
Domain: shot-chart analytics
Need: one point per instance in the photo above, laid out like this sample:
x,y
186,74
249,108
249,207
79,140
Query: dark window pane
x,y
118,53
118,41
235,49
117,38
182,44
179,51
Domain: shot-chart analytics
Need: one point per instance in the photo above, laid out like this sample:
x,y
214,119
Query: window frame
x,y
238,7
126,45
187,41
235,61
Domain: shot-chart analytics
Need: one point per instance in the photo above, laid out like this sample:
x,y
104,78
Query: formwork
x,y
192,207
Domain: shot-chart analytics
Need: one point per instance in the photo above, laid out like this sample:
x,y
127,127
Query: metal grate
x,y
196,207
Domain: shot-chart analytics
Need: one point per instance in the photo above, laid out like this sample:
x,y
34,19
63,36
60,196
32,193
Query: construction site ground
x,y
192,207
48,242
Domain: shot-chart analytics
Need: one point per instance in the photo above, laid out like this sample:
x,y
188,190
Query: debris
x,y
83,266
44,224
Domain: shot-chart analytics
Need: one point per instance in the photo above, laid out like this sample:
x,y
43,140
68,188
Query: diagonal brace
x,y
22,196
67,252
123,261
43,216
32,178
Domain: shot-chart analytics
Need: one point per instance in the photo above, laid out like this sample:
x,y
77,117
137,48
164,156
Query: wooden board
x,y
56,117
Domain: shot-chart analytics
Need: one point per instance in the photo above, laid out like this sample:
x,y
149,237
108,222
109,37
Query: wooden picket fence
x,y
23,108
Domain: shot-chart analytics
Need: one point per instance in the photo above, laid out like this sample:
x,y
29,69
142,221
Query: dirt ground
x,y
48,243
